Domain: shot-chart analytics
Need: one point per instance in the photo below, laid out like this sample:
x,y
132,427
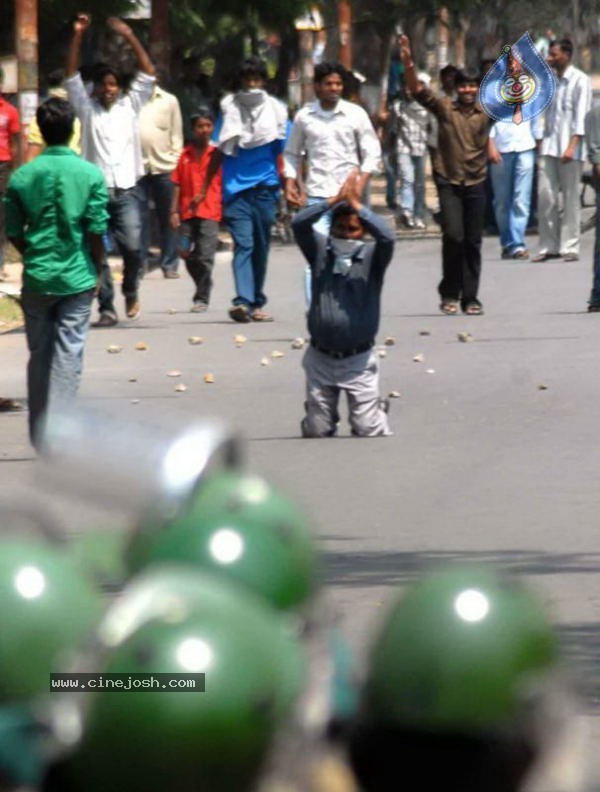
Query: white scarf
x,y
251,119
344,251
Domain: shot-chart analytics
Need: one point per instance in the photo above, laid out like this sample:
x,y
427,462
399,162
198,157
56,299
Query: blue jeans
x,y
125,224
159,188
411,170
512,180
249,216
56,328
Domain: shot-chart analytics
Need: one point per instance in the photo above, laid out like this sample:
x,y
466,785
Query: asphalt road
x,y
495,455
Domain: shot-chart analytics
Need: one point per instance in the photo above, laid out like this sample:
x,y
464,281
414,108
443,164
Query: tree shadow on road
x,y
380,568
581,644
581,641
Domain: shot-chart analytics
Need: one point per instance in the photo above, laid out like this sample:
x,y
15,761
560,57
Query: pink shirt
x,y
9,126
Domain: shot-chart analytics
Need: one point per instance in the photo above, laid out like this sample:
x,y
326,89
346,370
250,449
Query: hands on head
x,y
349,191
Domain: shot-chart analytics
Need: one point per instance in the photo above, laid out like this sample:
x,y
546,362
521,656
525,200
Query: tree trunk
x,y
160,37
288,56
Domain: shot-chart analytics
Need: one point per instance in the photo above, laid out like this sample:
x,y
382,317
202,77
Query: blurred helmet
x,y
461,679
47,607
462,650
174,621
239,526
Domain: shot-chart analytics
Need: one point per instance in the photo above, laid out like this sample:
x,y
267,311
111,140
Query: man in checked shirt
x,y
562,152
333,138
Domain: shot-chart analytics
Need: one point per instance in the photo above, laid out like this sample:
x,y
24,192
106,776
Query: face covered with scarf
x,y
346,240
252,93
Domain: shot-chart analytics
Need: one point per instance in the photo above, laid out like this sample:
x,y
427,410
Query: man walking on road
x,y
54,205
562,153
460,166
161,131
334,138
251,138
111,140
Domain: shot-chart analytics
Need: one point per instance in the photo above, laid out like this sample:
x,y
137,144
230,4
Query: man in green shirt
x,y
55,216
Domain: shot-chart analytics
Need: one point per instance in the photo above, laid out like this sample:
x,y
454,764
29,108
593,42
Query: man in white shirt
x,y
110,139
161,132
511,152
562,153
335,139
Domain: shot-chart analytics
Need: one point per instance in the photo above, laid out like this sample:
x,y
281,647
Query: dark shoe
x,y
543,256
239,313
11,405
106,319
571,257
132,307
594,308
171,274
258,315
199,307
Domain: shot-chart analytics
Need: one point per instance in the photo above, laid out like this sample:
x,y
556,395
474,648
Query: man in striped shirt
x,y
562,153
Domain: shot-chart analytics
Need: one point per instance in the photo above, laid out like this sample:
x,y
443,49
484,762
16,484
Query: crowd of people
x,y
471,155
200,168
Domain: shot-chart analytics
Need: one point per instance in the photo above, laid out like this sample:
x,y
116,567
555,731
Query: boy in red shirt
x,y
197,203
9,158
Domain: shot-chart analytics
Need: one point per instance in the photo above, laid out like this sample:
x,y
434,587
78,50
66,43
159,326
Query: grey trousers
x,y
555,177
358,377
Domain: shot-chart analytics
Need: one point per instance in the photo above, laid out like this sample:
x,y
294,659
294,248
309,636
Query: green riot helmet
x,y
47,608
463,650
173,621
462,681
239,526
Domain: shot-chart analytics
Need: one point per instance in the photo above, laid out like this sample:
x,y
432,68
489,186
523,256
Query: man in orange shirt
x,y
9,158
196,208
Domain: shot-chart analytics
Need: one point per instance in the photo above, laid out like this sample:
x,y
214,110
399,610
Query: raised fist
x,y
82,23
119,26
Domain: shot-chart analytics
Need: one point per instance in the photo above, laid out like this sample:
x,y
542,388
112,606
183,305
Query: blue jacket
x,y
345,309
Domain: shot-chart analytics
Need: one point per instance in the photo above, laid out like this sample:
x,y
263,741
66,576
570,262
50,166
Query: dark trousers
x,y
202,239
125,224
158,187
462,214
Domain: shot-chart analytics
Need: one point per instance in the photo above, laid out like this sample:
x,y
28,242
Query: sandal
x,y
258,315
449,307
473,309
239,313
